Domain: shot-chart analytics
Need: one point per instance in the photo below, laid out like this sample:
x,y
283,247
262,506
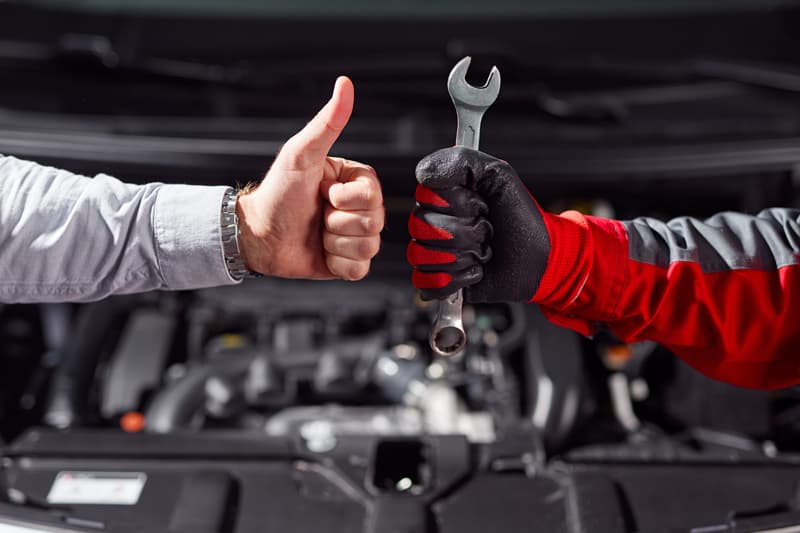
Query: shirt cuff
x,y
585,273
186,223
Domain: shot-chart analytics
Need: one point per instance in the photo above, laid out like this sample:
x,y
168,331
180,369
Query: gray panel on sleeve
x,y
727,241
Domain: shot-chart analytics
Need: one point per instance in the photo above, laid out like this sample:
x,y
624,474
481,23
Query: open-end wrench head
x,y
463,93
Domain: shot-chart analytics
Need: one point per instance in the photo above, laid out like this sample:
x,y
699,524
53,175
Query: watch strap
x,y
229,229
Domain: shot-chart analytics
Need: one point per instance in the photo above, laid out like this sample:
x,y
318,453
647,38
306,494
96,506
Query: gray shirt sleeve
x,y
65,237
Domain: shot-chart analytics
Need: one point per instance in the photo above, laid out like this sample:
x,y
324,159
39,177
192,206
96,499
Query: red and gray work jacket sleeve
x,y
722,293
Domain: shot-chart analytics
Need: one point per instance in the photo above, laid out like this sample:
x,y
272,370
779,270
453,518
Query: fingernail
x,y
336,85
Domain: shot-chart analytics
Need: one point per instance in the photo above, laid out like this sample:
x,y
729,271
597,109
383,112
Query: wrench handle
x,y
468,131
448,338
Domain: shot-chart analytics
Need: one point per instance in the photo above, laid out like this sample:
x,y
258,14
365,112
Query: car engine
x,y
291,405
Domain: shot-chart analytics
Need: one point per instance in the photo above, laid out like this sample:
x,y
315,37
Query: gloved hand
x,y
475,226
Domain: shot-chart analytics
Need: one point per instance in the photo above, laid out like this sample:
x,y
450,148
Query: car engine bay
x,y
277,403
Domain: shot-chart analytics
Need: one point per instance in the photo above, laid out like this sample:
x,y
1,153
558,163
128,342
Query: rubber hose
x,y
176,404
68,398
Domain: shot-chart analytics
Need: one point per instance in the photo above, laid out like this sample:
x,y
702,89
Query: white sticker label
x,y
97,488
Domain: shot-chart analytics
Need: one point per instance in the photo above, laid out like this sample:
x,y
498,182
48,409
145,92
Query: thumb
x,y
313,142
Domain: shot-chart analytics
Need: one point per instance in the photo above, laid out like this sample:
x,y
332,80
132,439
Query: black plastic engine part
x,y
72,380
138,361
273,484
553,366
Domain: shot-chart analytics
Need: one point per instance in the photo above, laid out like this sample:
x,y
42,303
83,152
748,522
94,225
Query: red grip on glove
x,y
424,195
426,280
419,255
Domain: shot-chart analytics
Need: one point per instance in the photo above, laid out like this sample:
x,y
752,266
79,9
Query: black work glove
x,y
475,226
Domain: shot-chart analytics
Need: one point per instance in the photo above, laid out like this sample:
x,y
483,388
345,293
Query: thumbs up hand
x,y
314,216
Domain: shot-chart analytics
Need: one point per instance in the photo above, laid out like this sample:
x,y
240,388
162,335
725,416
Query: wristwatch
x,y
229,222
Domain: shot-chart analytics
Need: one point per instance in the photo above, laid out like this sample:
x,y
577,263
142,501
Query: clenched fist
x,y
314,216
476,227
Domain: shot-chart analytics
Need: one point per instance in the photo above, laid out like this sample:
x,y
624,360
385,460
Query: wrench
x,y
448,338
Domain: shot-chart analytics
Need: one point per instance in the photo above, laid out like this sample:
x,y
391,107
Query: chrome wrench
x,y
448,338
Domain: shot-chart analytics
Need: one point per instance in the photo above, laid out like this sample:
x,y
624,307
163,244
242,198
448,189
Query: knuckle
x,y
372,224
369,247
371,170
357,270
371,195
362,248
367,195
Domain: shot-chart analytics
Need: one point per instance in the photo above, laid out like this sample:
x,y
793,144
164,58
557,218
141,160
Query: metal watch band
x,y
229,225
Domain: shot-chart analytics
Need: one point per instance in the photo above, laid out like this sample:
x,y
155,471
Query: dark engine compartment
x,y
298,406
280,405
